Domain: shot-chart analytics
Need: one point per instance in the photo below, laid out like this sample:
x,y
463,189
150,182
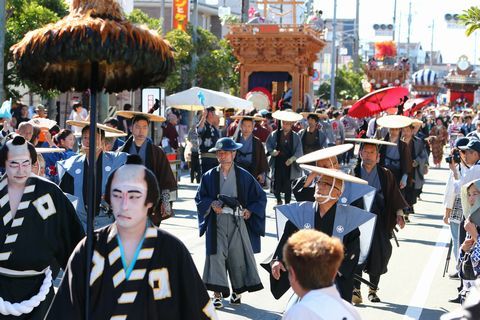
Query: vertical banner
x,y
180,14
150,97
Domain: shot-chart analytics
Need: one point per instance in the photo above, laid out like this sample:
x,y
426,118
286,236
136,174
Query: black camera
x,y
455,157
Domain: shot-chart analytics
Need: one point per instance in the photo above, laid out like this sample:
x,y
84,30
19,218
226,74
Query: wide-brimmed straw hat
x,y
416,122
337,174
252,118
318,115
49,150
150,116
43,123
394,121
109,131
287,115
443,108
324,153
371,141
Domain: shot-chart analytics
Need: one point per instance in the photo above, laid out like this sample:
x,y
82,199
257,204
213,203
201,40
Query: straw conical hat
x,y
337,174
319,115
370,141
253,118
285,115
324,153
82,124
49,150
394,121
43,123
130,114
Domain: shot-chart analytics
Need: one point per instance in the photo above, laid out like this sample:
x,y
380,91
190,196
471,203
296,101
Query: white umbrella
x,y
196,96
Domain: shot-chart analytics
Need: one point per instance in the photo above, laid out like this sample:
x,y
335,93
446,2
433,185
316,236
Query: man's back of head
x,y
312,259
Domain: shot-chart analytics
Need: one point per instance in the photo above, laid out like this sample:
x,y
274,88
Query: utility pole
x,y
162,16
408,32
2,49
431,44
281,13
245,5
400,29
394,20
194,39
475,50
356,41
334,51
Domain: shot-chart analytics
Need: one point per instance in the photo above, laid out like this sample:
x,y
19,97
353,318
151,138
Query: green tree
x,y
23,16
215,66
471,18
137,16
348,85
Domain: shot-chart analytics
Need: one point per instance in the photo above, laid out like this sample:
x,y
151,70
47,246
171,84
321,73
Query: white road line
x,y
420,296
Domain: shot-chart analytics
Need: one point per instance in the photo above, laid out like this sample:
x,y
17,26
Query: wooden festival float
x,y
270,54
383,70
462,82
425,83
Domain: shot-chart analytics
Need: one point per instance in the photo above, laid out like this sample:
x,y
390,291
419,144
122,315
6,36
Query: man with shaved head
x,y
39,232
25,129
139,271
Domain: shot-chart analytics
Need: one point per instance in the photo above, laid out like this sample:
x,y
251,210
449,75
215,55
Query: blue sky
x,y
451,42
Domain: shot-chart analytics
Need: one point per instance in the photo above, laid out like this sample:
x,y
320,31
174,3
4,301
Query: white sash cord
x,y
26,306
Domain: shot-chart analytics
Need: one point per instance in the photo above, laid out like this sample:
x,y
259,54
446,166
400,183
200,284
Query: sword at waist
x,y
208,155
236,212
22,273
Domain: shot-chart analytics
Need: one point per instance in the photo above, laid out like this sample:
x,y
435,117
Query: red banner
x,y
180,14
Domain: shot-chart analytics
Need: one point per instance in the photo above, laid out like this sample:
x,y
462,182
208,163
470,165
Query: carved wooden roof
x,y
268,44
385,76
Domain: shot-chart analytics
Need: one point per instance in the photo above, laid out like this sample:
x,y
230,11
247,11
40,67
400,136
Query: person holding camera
x,y
452,216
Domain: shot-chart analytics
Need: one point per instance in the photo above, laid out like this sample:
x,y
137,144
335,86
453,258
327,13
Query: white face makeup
x,y
127,197
18,166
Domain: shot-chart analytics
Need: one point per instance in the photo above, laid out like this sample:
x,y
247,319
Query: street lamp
x,y
334,52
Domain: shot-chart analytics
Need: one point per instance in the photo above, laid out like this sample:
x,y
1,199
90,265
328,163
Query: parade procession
x,y
239,159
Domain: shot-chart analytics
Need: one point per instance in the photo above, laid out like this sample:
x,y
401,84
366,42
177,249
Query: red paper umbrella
x,y
378,101
413,105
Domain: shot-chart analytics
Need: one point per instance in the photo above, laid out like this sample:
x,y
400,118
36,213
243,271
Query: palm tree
x,y
471,18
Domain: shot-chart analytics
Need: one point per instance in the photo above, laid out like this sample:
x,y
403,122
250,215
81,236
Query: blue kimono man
x,y
231,212
73,174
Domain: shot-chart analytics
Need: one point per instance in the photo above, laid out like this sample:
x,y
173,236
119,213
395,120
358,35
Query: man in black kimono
x,y
387,206
39,231
284,147
153,158
251,156
138,271
313,138
208,134
331,215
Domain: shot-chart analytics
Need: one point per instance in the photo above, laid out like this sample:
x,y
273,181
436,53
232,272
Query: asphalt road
x,y
413,288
